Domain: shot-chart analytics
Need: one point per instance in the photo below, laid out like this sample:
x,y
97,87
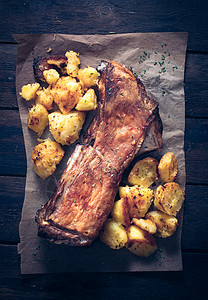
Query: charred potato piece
x,y
120,212
54,62
140,242
166,225
28,91
146,225
169,198
38,118
168,167
66,128
113,234
139,200
88,101
45,157
144,172
73,63
51,76
44,97
88,77
66,93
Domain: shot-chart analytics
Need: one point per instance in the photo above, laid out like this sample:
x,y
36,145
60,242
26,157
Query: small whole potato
x,y
45,157
166,225
144,172
169,198
38,118
113,234
168,167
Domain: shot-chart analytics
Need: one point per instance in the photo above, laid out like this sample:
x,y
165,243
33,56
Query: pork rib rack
x,y
85,194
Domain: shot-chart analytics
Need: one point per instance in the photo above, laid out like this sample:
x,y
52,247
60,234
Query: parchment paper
x,y
158,59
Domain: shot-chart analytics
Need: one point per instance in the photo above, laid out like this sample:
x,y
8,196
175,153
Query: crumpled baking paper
x,y
159,61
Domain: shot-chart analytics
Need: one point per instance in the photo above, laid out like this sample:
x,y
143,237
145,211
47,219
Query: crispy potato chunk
x,y
45,98
168,167
88,77
166,225
140,242
51,76
73,63
169,198
113,234
66,128
120,212
45,157
139,200
144,172
38,118
28,91
66,93
146,225
88,101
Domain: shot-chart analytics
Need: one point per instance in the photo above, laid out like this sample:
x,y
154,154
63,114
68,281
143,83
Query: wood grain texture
x,y
102,17
189,284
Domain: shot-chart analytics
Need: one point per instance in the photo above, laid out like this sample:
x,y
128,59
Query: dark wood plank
x,y
196,81
103,17
195,222
12,150
189,284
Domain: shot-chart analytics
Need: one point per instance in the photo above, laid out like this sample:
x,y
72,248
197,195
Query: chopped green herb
x,y
162,45
119,157
163,93
163,57
148,55
155,63
155,52
109,89
145,53
34,254
111,32
122,94
37,247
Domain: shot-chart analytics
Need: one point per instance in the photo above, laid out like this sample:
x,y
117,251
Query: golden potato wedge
x,y
28,91
113,234
66,93
45,157
140,242
169,198
144,172
88,101
166,225
139,200
44,97
88,77
38,118
66,128
146,225
168,167
120,212
73,63
51,76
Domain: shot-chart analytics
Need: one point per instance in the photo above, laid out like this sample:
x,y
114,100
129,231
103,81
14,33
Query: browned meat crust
x,y
85,195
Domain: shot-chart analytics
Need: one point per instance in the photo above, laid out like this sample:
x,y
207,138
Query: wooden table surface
x,y
102,17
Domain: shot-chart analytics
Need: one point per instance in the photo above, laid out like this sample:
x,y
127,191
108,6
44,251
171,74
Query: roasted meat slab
x,y
85,195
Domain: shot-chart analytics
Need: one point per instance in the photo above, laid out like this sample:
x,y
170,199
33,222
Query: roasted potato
x,y
166,225
66,128
139,200
88,101
28,91
113,234
144,172
51,76
73,63
120,212
88,77
44,97
169,198
66,93
45,157
168,167
140,242
146,225
38,118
